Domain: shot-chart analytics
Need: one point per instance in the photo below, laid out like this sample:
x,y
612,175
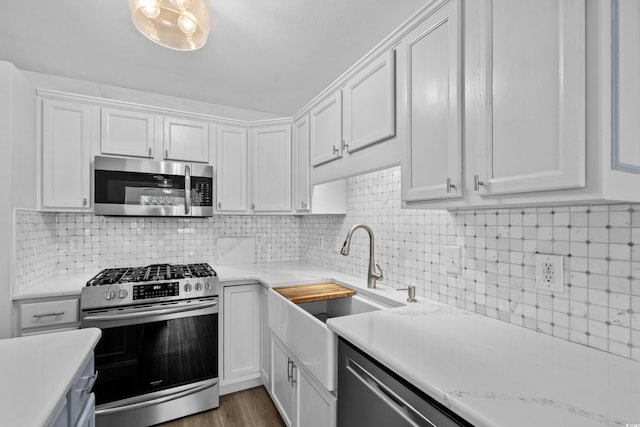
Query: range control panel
x,y
156,290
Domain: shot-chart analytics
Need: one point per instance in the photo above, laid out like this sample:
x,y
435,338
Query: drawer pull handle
x,y
38,316
91,381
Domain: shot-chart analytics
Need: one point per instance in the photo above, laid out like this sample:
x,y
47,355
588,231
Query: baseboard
x,y
232,387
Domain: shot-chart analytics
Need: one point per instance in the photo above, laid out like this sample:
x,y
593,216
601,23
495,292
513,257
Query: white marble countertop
x,y
490,372
496,374
56,286
37,371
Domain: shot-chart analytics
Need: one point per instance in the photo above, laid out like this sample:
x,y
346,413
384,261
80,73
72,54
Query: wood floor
x,y
247,408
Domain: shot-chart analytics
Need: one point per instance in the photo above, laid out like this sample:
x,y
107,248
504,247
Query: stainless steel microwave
x,y
134,187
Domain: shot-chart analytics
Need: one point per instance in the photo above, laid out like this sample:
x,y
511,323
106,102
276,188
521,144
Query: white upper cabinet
x,y
231,161
626,85
369,104
532,95
431,57
65,150
301,164
271,154
126,132
326,130
186,139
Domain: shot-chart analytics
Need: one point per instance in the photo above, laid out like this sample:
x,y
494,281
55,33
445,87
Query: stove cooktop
x,y
117,287
151,273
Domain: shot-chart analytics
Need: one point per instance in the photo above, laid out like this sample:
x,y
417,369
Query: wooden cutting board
x,y
314,292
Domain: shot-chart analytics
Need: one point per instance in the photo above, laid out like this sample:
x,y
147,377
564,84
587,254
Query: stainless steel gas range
x,y
158,356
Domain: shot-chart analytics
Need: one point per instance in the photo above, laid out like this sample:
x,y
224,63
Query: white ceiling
x,y
266,55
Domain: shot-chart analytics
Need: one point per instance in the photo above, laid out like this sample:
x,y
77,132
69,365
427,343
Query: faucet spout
x,y
372,274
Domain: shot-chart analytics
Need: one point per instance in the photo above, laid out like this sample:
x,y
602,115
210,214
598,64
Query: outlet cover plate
x,y
549,273
453,260
76,245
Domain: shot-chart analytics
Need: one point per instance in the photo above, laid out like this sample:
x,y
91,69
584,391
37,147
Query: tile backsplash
x,y
600,305
43,241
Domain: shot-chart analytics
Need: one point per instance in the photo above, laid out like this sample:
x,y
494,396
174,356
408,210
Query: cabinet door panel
x,y
625,86
326,130
534,115
186,140
369,104
241,331
232,169
432,61
281,388
315,407
65,155
301,157
126,133
272,169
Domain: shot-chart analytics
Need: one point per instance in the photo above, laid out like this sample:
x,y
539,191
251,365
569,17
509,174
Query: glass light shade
x,y
176,24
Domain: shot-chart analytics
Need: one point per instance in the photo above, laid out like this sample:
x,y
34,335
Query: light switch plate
x,y
453,260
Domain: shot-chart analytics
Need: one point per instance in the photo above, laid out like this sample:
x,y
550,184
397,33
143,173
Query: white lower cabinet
x,y
282,388
241,342
265,353
41,315
316,407
300,399
78,406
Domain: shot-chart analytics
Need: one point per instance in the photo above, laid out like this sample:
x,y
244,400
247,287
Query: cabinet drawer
x,y
38,314
81,391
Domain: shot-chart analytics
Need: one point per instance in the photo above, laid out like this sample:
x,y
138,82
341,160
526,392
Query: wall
x,y
17,166
600,307
601,246
42,241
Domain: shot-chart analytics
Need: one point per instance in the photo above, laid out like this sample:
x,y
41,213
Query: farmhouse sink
x,y
301,327
327,309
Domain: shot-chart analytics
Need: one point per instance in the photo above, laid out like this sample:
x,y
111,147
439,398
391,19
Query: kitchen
x,y
464,219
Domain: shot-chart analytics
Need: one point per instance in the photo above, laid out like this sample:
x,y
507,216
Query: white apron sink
x,y
302,328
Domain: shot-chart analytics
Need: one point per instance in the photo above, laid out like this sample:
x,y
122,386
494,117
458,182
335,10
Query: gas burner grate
x,y
154,272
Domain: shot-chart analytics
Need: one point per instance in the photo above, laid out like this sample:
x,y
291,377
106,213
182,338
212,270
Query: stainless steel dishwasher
x,y
369,394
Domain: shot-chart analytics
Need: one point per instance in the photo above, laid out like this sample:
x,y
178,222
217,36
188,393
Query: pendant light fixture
x,y
176,24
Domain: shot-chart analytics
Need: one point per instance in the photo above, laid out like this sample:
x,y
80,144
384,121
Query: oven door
x,y
151,188
151,355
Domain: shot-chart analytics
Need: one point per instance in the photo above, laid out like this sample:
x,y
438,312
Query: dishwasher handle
x,y
402,407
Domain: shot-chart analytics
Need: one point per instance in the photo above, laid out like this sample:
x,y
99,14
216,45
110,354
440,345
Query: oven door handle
x,y
148,313
146,403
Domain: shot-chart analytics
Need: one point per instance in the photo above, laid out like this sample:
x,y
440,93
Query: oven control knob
x,y
208,286
187,287
109,295
122,293
198,286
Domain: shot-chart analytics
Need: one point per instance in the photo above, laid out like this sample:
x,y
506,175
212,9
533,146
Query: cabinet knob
x,y
219,205
84,202
450,185
253,205
304,204
150,155
166,154
335,150
477,183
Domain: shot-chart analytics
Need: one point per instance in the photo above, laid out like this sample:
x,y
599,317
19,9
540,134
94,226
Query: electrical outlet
x,y
260,237
549,273
76,245
453,259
